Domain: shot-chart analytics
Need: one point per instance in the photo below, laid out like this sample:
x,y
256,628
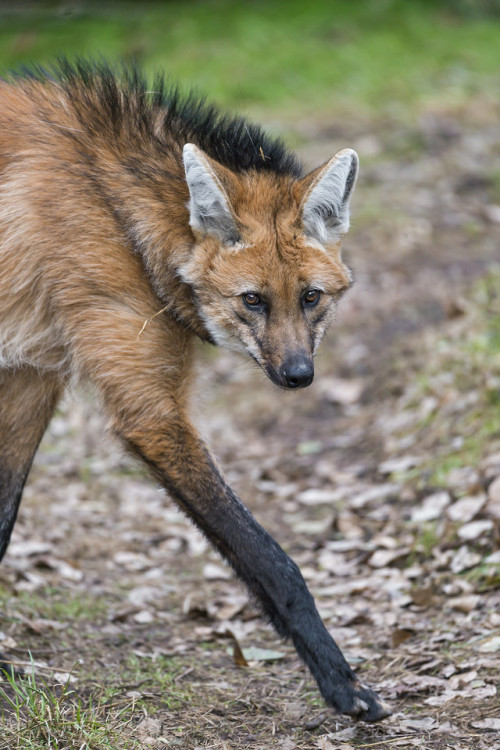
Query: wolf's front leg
x,y
142,382
185,468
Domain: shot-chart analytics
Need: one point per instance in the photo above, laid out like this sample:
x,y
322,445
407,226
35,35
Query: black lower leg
x,y
11,490
272,577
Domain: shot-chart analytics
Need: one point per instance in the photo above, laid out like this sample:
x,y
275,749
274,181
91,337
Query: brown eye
x,y
312,297
251,299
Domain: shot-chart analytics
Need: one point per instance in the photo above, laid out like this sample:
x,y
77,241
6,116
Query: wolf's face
x,y
266,268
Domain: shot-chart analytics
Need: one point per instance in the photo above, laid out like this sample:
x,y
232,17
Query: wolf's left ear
x,y
327,192
208,205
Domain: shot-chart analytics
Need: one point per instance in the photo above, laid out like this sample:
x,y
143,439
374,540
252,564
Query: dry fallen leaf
x,y
399,465
341,390
294,710
419,725
475,694
431,508
324,744
464,559
423,597
315,496
212,572
465,603
28,548
492,723
466,508
262,654
227,607
475,529
148,727
493,506
317,721
42,626
488,645
374,494
381,558
400,635
238,657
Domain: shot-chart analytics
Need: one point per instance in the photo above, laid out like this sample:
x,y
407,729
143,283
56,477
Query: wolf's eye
x,y
251,299
312,297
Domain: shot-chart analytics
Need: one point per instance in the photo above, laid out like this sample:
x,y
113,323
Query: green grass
x,y
36,716
54,603
427,541
485,577
36,713
382,56
160,675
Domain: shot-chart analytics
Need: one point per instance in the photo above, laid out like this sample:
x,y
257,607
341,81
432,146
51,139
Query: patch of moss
x,y
53,603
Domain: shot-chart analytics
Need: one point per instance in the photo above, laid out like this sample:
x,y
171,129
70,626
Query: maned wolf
x,y
120,205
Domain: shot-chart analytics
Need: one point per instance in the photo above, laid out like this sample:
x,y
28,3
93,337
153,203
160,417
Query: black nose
x,y
298,371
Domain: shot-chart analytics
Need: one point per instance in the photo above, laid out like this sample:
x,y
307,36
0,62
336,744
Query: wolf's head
x,y
266,266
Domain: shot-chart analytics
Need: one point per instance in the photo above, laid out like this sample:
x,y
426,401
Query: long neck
x,y
144,185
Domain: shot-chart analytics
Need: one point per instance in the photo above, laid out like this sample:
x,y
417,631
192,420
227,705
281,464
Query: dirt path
x,y
106,579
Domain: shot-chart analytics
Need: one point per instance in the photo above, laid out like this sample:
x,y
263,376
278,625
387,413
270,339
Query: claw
x,y
362,704
377,711
359,707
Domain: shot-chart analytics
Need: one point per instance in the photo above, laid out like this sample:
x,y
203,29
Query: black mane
x,y
125,97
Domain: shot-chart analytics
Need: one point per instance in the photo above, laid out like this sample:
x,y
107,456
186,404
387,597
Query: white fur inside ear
x,y
208,206
326,209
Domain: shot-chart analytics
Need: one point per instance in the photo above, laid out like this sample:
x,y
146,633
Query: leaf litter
x,y
382,481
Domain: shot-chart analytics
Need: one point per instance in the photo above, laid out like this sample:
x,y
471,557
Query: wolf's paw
x,y
358,701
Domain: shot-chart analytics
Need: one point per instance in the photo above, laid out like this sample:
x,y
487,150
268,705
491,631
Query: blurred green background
x,y
377,58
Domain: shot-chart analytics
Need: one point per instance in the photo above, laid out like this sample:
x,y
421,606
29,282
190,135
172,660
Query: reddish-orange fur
x,y
95,239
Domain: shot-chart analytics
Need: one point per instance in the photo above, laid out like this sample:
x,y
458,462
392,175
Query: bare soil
x,y
107,581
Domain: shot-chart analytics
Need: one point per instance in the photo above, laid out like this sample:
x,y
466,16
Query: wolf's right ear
x,y
327,192
209,211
